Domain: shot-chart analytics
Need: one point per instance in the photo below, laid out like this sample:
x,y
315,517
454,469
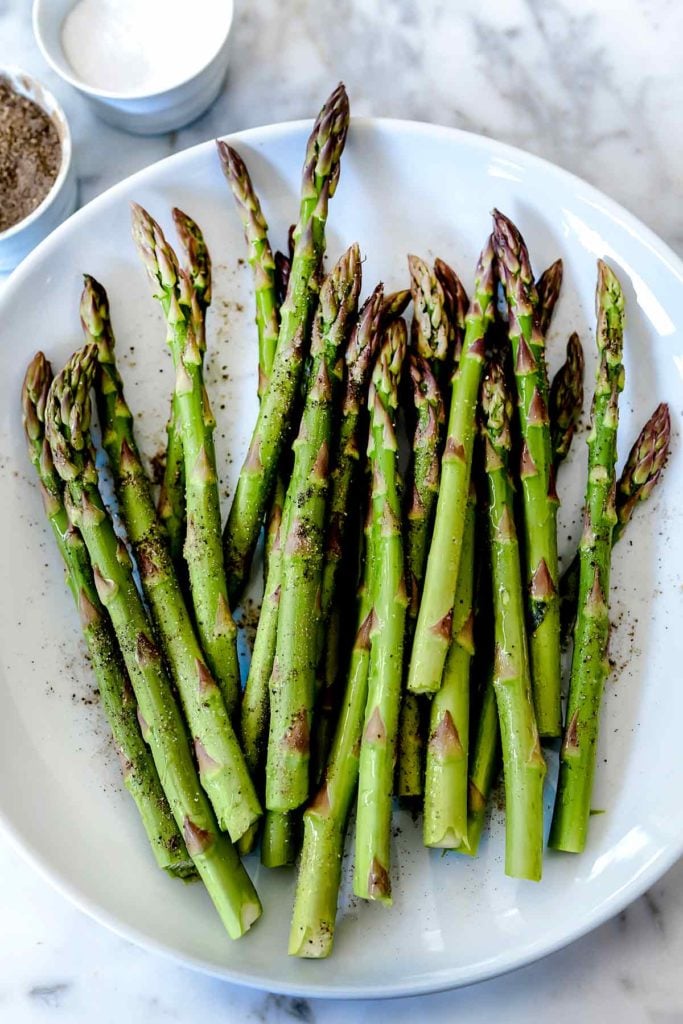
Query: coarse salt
x,y
133,47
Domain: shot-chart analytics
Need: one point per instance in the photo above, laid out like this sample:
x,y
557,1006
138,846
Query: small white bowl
x,y
143,113
19,239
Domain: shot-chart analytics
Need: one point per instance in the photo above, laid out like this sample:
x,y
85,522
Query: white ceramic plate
x,y
404,188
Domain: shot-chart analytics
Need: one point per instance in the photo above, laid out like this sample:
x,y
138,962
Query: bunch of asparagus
x,y
408,633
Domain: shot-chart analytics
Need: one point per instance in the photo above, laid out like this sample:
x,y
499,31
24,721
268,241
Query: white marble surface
x,y
595,87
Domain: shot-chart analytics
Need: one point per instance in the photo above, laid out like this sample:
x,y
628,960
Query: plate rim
x,y
459,977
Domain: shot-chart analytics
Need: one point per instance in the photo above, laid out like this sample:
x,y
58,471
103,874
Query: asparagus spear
x,y
67,424
643,467
641,472
539,498
427,444
345,462
371,877
590,665
260,258
203,554
139,774
421,495
430,334
548,287
222,768
255,706
271,432
254,710
292,682
523,762
171,503
566,401
325,820
433,630
377,313
446,781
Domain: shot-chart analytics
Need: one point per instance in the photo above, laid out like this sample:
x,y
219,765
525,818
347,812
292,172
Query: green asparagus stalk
x,y
139,774
269,276
566,401
641,472
640,475
171,503
325,820
254,710
359,357
539,498
344,479
371,877
203,553
421,495
446,780
523,762
423,473
590,665
273,425
427,444
548,287
222,767
67,424
260,258
254,707
292,681
433,630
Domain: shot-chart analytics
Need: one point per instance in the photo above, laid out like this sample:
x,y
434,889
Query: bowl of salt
x,y
146,67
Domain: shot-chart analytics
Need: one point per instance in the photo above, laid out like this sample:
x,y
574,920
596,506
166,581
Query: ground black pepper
x,y
30,155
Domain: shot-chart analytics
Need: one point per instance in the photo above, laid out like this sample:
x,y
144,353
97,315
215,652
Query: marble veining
x,y
595,87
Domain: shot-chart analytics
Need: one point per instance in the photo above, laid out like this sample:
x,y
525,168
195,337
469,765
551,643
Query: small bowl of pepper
x,y
37,184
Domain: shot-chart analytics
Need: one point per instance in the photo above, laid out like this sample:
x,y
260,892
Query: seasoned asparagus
x,y
67,424
421,495
315,906
371,876
260,258
273,425
539,498
446,780
222,768
203,552
523,764
292,681
139,773
590,665
171,503
345,462
433,630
